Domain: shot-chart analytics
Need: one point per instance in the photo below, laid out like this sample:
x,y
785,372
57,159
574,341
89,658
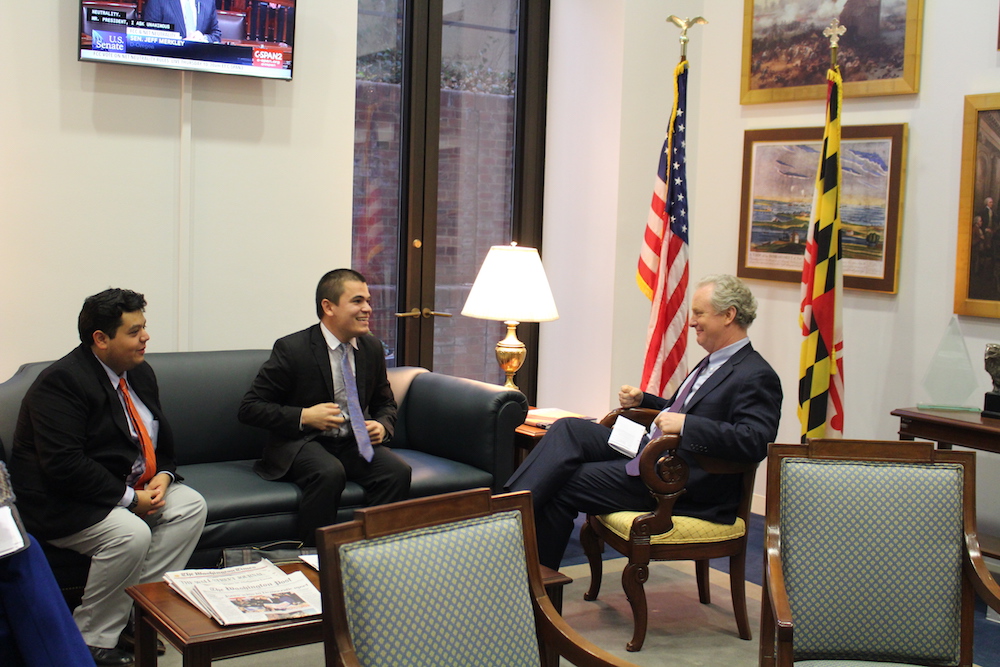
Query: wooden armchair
x,y
871,554
657,535
452,579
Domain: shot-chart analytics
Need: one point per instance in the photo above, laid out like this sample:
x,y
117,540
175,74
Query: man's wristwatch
x,y
135,502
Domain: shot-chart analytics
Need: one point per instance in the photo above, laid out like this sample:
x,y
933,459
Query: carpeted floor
x,y
986,648
682,632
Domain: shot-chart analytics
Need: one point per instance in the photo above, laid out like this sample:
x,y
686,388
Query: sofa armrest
x,y
463,420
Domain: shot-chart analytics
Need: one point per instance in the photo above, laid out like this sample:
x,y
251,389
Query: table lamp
x,y
511,287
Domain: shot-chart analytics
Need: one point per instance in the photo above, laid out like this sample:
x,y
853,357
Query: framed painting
x,y
977,265
779,181
786,56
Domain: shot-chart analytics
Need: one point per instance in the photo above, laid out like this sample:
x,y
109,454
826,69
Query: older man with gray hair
x,y
728,407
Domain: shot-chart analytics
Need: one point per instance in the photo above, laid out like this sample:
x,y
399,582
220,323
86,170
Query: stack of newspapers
x,y
247,593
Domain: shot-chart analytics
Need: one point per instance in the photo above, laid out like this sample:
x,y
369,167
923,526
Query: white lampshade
x,y
511,285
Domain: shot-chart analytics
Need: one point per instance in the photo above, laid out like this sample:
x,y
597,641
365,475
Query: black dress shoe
x,y
112,656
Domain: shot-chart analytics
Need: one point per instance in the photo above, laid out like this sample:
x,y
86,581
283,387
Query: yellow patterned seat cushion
x,y
686,529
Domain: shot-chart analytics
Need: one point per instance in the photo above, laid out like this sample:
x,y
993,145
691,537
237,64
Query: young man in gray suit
x,y
728,407
93,468
302,396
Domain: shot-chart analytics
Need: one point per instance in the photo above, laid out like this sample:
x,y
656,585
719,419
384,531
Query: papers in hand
x,y
626,436
247,593
13,537
545,417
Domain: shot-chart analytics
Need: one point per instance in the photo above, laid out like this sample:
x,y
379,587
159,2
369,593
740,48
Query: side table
x,y
948,428
200,640
525,439
159,609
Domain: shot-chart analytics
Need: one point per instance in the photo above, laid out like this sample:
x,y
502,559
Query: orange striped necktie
x,y
148,453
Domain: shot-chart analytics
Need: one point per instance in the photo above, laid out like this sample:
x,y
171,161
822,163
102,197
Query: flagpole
x,y
684,25
833,32
662,272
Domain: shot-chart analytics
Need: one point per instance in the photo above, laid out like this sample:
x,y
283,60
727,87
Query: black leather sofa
x,y
455,433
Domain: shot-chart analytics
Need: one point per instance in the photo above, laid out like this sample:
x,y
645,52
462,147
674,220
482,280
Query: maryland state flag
x,y
821,368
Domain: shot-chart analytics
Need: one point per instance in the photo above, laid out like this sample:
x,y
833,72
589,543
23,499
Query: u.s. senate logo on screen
x,y
108,41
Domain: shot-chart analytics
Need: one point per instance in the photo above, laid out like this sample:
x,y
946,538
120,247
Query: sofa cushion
x,y
433,475
233,490
244,509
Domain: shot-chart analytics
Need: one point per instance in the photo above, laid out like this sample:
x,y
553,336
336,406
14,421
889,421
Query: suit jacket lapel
x,y
321,352
142,382
110,393
718,376
361,372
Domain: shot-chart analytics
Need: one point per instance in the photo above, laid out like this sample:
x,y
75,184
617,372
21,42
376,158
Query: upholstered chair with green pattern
x,y
443,580
658,535
871,555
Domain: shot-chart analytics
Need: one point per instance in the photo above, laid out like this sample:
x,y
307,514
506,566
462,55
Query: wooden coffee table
x,y
200,640
159,609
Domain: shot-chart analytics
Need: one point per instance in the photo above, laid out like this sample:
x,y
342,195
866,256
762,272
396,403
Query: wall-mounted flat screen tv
x,y
245,37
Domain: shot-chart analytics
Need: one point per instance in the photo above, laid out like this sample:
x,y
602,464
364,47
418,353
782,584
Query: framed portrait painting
x,y
786,55
779,181
977,267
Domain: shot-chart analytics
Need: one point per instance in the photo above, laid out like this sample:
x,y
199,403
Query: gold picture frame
x,y
977,279
804,55
779,181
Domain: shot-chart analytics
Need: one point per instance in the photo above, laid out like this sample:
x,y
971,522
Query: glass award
x,y
951,378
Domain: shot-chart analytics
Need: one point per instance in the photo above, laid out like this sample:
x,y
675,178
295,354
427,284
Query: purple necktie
x,y
678,403
354,407
632,467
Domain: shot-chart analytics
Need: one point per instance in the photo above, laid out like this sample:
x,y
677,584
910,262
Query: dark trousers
x,y
36,627
573,470
323,467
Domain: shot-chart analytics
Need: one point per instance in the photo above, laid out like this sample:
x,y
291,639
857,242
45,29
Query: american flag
x,y
821,364
663,260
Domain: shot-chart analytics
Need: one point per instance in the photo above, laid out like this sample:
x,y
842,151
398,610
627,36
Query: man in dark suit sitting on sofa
x,y
93,468
303,395
728,407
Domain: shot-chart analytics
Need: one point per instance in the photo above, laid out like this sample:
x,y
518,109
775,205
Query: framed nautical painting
x,y
779,180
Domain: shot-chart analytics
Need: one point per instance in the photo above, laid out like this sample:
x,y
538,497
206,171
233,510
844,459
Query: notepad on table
x,y
545,417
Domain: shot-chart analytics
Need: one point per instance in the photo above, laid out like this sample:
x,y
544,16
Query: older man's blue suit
x,y
169,11
733,415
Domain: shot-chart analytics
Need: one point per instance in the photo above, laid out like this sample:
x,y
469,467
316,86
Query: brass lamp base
x,y
511,353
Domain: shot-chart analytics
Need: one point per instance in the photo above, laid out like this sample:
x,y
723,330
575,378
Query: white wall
x,y
223,199
581,201
889,339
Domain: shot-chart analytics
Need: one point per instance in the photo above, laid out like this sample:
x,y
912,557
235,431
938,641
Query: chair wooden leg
x,y
737,583
592,547
701,574
633,577
766,653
